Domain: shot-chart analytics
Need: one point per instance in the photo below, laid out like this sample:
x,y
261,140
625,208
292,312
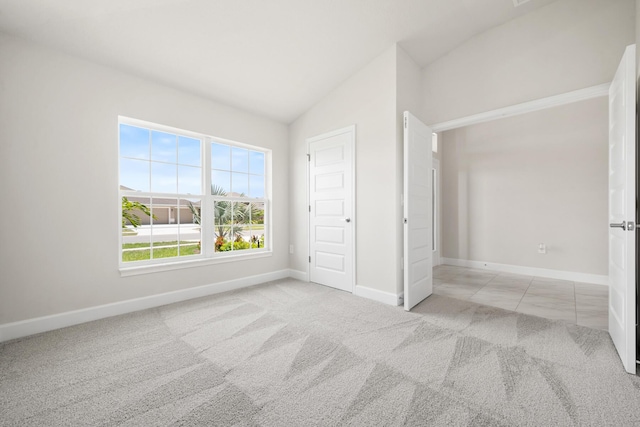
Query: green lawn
x,y
146,244
139,255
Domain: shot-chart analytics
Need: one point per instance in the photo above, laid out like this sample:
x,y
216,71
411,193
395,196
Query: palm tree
x,y
229,215
128,207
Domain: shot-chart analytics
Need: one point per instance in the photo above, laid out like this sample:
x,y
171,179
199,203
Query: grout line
x,y
525,292
468,298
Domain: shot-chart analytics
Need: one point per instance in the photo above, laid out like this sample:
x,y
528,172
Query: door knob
x,y
622,225
347,220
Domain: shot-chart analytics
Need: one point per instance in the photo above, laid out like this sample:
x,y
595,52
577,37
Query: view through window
x,y
165,211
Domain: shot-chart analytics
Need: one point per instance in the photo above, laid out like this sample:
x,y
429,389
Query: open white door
x,y
418,278
622,210
332,209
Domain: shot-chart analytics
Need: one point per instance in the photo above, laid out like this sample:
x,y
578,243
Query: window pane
x,y
220,183
134,142
221,213
163,147
134,174
240,184
164,228
189,180
254,230
257,215
188,151
220,156
136,239
256,163
239,160
189,215
257,224
222,221
256,186
242,226
191,212
163,178
135,250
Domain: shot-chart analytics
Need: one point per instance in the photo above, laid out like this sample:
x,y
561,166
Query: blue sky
x,y
167,163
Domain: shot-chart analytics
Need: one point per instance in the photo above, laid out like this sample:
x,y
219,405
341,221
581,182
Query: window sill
x,y
126,271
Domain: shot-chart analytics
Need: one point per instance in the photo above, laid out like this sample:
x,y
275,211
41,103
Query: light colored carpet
x,y
290,353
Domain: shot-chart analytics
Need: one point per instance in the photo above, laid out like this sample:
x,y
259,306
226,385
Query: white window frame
x,y
207,254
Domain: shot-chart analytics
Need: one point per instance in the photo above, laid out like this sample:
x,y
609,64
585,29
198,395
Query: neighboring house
x,y
172,210
165,210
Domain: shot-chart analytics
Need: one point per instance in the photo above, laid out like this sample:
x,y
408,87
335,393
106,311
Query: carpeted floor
x,y
289,353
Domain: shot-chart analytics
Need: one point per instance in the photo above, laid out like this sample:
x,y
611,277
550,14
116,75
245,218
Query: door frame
x,y
352,131
437,232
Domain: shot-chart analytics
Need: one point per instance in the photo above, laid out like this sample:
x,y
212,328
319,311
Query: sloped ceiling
x,y
275,58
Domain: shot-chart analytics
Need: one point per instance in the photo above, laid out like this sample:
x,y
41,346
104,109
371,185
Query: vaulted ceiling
x,y
276,58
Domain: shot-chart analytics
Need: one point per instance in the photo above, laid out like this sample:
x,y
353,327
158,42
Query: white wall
x,y
567,45
637,41
542,177
58,167
408,98
367,100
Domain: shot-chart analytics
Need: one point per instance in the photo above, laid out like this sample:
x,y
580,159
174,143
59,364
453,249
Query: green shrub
x,y
237,246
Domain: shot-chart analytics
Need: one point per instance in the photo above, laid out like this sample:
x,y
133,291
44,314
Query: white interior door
x,y
418,250
332,209
622,210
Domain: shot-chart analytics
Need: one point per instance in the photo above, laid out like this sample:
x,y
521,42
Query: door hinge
x,y
309,208
309,258
405,122
308,157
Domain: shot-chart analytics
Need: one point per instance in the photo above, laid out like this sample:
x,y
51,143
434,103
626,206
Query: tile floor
x,y
580,303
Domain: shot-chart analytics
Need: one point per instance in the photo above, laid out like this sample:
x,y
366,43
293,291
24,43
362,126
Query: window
x,y
237,174
167,215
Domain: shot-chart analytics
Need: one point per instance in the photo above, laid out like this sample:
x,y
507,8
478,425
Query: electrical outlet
x,y
290,249
542,248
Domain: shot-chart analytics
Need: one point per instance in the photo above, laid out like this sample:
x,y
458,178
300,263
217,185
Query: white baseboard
x,y
27,327
299,275
376,295
596,279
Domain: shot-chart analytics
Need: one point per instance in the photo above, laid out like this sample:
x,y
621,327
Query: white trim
x,y
376,295
27,327
299,275
352,131
199,262
596,279
435,164
525,107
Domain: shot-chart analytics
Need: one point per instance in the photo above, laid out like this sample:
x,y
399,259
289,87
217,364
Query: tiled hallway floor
x,y
580,303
